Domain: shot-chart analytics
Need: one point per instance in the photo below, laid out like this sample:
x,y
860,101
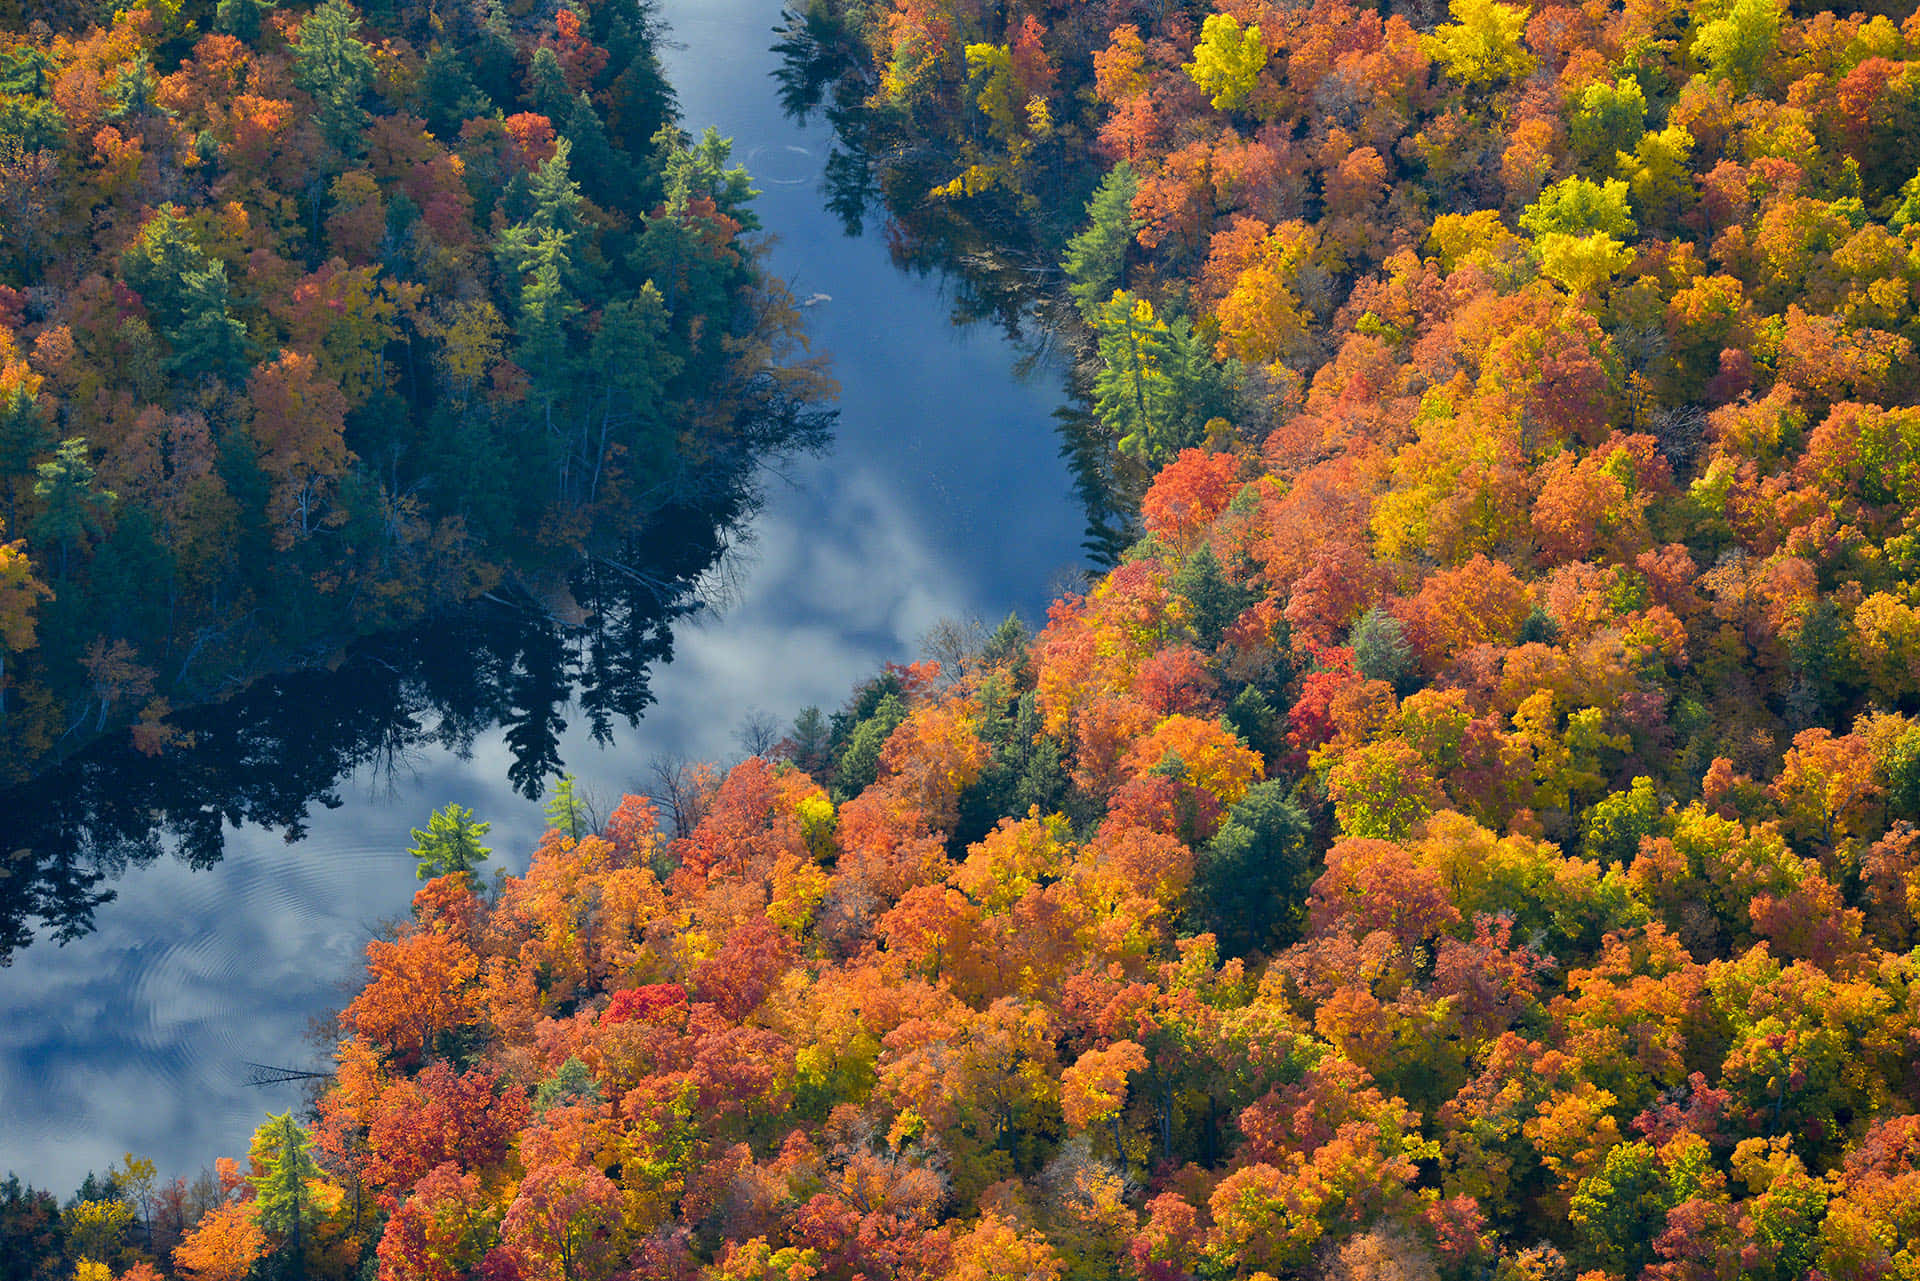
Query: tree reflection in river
x,y
987,248
280,747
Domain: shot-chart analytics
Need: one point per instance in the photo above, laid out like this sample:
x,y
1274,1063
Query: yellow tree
x,y
20,594
470,334
1227,61
997,1250
1482,46
223,1247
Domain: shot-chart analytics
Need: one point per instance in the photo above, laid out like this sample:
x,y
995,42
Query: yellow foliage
x,y
1572,1131
1482,45
997,1250
795,896
1227,61
1886,641
94,1228
755,1260
1581,264
471,336
1480,238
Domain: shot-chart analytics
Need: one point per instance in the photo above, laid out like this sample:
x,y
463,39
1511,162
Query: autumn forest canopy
x,y
1472,831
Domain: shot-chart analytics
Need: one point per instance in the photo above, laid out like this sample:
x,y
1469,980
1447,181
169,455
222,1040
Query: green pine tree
x,y
283,1196
71,510
451,844
336,67
567,811
1096,258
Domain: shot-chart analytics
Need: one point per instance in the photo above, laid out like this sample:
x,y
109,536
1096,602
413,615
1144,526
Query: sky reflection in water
x,y
943,496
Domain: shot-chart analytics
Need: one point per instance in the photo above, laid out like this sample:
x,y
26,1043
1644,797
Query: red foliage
x,y
648,1004
1377,885
468,1119
1188,494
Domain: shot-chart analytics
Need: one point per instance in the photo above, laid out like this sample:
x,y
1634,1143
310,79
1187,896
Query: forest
x,y
315,322
1472,831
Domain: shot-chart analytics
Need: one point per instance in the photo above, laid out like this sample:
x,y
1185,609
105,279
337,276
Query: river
x,y
943,496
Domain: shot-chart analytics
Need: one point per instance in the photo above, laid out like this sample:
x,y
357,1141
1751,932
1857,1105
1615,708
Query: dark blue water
x,y
942,497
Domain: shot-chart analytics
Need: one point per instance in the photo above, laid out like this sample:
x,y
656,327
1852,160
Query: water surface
x,y
944,496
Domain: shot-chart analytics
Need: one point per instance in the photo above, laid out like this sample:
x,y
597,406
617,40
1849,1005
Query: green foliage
x,y
333,64
283,1195
24,71
701,171
25,434
1380,649
1902,768
1786,1223
1906,206
1251,885
1227,61
543,241
1025,769
547,91
1157,387
1213,600
570,1085
1736,45
812,742
1610,118
567,811
1577,207
30,124
1007,644
1622,1208
1095,262
242,19
71,507
29,120
186,294
859,761
1252,716
451,844
130,94
1538,629
1818,657
30,1234
1616,823
448,95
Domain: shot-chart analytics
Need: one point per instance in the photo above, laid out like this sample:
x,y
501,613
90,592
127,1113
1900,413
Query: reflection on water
x,y
272,753
880,165
942,496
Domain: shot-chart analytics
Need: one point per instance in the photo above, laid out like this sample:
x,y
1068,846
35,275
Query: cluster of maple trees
x,y
313,320
1071,981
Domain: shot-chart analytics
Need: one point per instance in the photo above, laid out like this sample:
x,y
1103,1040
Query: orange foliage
x,y
1188,494
223,1246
